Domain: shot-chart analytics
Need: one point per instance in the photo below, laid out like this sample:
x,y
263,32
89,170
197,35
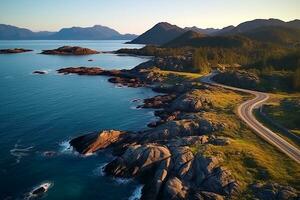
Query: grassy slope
x,y
284,109
248,157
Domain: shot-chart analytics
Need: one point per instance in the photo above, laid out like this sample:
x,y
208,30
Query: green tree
x,y
200,62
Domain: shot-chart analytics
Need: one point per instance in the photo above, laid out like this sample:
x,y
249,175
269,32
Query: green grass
x,y
174,77
249,157
284,109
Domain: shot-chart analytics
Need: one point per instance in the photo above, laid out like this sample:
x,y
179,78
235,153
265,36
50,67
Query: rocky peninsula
x,y
182,155
12,51
69,50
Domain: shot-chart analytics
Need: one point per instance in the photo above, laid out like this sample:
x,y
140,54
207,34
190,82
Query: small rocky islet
x,y
40,72
162,158
14,51
70,50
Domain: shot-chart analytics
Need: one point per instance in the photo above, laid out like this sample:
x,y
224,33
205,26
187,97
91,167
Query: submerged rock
x,y
49,153
39,72
16,50
69,50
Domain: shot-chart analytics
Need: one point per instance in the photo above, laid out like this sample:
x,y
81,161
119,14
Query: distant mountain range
x,y
163,33
265,30
97,32
258,23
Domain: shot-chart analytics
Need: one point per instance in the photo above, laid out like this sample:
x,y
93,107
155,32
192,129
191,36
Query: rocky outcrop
x,y
168,168
16,50
127,81
138,159
173,160
274,191
174,189
159,101
188,141
93,142
149,163
81,70
69,50
192,101
121,77
238,78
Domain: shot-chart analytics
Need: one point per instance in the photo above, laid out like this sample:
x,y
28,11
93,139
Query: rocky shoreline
x,y
69,50
12,51
162,158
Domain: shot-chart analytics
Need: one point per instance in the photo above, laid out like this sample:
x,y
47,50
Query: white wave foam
x,y
99,171
137,193
19,152
65,147
119,86
122,181
135,108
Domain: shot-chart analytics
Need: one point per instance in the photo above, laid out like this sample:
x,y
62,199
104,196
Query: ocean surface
x,y
40,113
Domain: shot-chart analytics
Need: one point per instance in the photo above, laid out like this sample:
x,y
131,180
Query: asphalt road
x,y
245,112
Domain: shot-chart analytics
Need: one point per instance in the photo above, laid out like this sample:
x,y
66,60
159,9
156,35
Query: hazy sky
x,y
136,16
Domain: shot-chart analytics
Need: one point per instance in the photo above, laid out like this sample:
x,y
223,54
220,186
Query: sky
x,y
136,16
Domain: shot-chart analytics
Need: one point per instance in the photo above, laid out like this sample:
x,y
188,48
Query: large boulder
x,y
159,101
90,143
137,160
193,101
274,191
174,189
188,141
149,163
194,124
170,130
182,159
221,181
202,168
203,195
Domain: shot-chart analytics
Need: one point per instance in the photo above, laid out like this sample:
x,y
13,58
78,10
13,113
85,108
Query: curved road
x,y
245,111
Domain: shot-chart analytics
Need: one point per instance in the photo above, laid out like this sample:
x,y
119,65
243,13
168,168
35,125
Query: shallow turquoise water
x,y
41,113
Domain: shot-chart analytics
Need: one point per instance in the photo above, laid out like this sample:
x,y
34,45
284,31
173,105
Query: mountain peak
x,y
160,33
166,26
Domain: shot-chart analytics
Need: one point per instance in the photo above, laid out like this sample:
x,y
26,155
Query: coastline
x,y
184,123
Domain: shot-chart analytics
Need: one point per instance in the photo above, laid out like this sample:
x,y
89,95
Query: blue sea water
x,y
41,113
